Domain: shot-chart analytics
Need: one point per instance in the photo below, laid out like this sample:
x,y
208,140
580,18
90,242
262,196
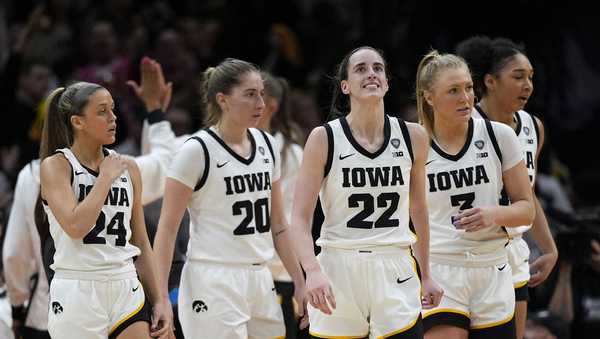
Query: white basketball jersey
x,y
470,178
230,208
527,133
106,247
365,195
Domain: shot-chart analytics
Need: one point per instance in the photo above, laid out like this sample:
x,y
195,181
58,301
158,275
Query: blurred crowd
x,y
46,44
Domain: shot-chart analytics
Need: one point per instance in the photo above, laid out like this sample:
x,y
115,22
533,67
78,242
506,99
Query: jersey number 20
x,y
257,211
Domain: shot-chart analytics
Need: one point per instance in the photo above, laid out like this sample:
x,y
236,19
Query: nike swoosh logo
x,y
429,162
345,156
502,268
223,164
401,281
78,173
135,289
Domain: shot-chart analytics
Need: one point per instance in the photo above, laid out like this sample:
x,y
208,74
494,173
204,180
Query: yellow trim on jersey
x,y
127,317
494,324
446,310
282,337
403,329
337,336
521,284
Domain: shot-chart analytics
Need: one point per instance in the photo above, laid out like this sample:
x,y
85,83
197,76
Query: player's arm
x,y
432,293
18,253
145,263
76,218
310,177
284,246
540,230
516,183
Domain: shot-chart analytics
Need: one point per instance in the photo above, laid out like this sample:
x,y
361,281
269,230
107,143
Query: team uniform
x,y
95,292
527,132
22,257
471,267
226,288
366,238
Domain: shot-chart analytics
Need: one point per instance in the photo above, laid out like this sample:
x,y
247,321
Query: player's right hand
x,y
113,166
318,291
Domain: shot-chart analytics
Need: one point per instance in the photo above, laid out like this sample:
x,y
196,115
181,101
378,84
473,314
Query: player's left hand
x,y
541,268
162,320
475,219
431,293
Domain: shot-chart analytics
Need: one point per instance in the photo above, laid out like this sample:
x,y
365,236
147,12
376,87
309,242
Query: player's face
x,y
245,103
515,83
99,120
451,95
366,76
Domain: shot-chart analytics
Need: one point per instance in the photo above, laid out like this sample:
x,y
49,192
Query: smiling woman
x,y
368,169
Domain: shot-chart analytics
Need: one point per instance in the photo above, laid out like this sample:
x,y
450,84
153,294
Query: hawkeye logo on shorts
x,y
57,307
199,306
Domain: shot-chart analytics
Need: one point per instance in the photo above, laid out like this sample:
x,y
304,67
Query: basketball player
x,y
228,178
92,197
368,169
469,162
502,76
22,256
276,120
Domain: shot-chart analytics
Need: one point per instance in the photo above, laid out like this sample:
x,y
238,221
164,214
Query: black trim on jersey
x,y
143,314
446,318
329,149
519,123
507,330
268,144
522,293
490,130
235,155
406,136
72,175
457,156
358,147
481,112
537,129
204,176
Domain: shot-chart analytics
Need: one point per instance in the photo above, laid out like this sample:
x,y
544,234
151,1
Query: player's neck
x,y
88,154
231,132
495,111
367,121
451,135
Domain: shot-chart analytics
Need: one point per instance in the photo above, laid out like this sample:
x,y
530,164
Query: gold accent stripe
x,y
446,310
336,336
403,329
521,284
494,324
127,317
